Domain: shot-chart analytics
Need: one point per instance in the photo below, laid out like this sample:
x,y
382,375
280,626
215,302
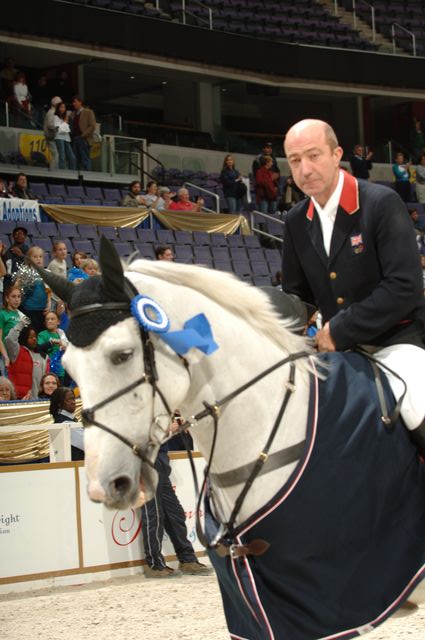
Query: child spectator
x,y
58,264
9,316
90,267
266,191
62,408
49,382
36,298
27,364
56,343
63,138
76,274
7,390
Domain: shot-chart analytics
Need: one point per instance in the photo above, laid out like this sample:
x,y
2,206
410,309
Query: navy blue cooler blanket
x,y
347,531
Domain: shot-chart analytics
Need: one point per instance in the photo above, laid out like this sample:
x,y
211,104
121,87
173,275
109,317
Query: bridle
x,y
248,472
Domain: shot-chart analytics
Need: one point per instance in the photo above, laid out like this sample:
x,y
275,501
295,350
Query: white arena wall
x,y
52,534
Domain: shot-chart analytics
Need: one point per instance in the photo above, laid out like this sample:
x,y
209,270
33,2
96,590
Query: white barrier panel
x,y
38,522
49,527
19,210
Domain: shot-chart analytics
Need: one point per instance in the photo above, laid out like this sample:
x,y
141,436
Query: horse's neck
x,y
246,421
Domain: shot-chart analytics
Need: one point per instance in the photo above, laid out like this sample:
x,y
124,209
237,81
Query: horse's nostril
x,y
121,485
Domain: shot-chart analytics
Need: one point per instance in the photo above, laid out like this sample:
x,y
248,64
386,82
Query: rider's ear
x,y
111,268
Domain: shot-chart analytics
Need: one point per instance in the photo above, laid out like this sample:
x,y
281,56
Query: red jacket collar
x,y
349,200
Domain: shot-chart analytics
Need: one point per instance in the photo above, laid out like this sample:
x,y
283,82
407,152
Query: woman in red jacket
x,y
266,191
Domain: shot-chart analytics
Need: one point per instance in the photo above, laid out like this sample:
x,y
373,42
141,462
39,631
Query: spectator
x,y
164,252
134,196
3,271
63,138
36,298
422,253
7,76
233,187
7,390
402,177
265,187
83,126
184,204
41,98
267,151
50,132
49,382
4,193
90,267
165,199
9,316
21,94
62,408
418,224
360,163
151,197
417,141
76,274
420,179
58,264
55,342
20,188
27,364
14,256
291,195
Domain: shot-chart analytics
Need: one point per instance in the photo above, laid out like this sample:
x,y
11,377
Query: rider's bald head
x,y
312,127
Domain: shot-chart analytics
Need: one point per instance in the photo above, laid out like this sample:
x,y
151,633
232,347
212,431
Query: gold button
x,y
332,275
340,300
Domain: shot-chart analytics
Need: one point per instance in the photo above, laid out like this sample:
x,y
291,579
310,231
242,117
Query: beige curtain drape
x,y
26,446
132,217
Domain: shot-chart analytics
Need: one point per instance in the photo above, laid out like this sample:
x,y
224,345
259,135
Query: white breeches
x,y
408,362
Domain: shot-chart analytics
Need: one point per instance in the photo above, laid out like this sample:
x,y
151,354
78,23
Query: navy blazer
x,y
370,287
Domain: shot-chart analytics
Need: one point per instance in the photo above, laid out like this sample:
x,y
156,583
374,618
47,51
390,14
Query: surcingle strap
x,y
418,437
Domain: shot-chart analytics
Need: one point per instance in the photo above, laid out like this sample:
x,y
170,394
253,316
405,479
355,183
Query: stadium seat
x,y
76,191
47,229
73,201
39,189
92,203
164,236
127,234
260,268
238,254
220,254
223,265
108,232
201,238
145,250
88,231
202,254
94,193
235,240
83,245
183,253
251,241
218,240
262,281
183,237
124,249
57,190
146,235
112,195
68,230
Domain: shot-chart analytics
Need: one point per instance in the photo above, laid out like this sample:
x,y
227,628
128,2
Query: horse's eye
x,y
121,356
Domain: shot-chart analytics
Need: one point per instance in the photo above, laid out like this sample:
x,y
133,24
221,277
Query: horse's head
x,y
111,358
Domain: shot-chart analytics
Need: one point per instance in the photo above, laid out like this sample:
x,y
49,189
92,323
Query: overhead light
x,y
132,77
223,89
164,82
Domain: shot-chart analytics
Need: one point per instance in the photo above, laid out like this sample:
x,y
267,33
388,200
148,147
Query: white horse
x,y
329,538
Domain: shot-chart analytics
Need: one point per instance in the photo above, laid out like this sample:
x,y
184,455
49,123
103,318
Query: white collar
x,y
331,206
67,414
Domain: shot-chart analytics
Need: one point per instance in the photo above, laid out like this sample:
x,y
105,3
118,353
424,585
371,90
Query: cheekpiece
x,y
149,314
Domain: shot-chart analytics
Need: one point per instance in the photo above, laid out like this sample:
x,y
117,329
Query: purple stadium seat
x,y
201,238
238,254
235,240
53,200
73,201
262,281
251,241
220,254
57,190
88,231
47,229
110,203
145,250
242,268
183,237
124,249
92,203
127,234
183,253
146,235
260,268
44,243
94,193
218,239
39,189
83,245
76,191
255,254
164,236
112,195
108,232
223,265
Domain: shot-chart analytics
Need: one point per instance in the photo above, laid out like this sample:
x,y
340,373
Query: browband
x,y
90,308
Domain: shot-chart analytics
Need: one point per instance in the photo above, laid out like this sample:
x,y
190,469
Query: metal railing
x,y
372,17
395,26
260,231
186,11
210,193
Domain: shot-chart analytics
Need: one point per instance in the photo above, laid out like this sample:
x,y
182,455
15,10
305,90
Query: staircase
x,y
385,45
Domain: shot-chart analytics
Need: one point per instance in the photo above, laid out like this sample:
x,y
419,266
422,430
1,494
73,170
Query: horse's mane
x,y
241,299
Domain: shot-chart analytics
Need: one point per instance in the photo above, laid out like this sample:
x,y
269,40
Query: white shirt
x,y
327,214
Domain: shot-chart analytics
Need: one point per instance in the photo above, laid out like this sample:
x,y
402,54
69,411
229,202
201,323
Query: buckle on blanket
x,y
253,548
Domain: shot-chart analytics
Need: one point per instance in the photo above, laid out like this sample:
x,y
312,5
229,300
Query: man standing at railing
x,y
83,126
360,163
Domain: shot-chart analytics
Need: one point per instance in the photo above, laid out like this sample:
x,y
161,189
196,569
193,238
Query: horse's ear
x,y
58,284
111,268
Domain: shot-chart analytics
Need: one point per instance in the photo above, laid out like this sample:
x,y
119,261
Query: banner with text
x,y
19,210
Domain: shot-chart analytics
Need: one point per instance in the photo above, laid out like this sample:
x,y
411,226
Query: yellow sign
x,y
33,142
